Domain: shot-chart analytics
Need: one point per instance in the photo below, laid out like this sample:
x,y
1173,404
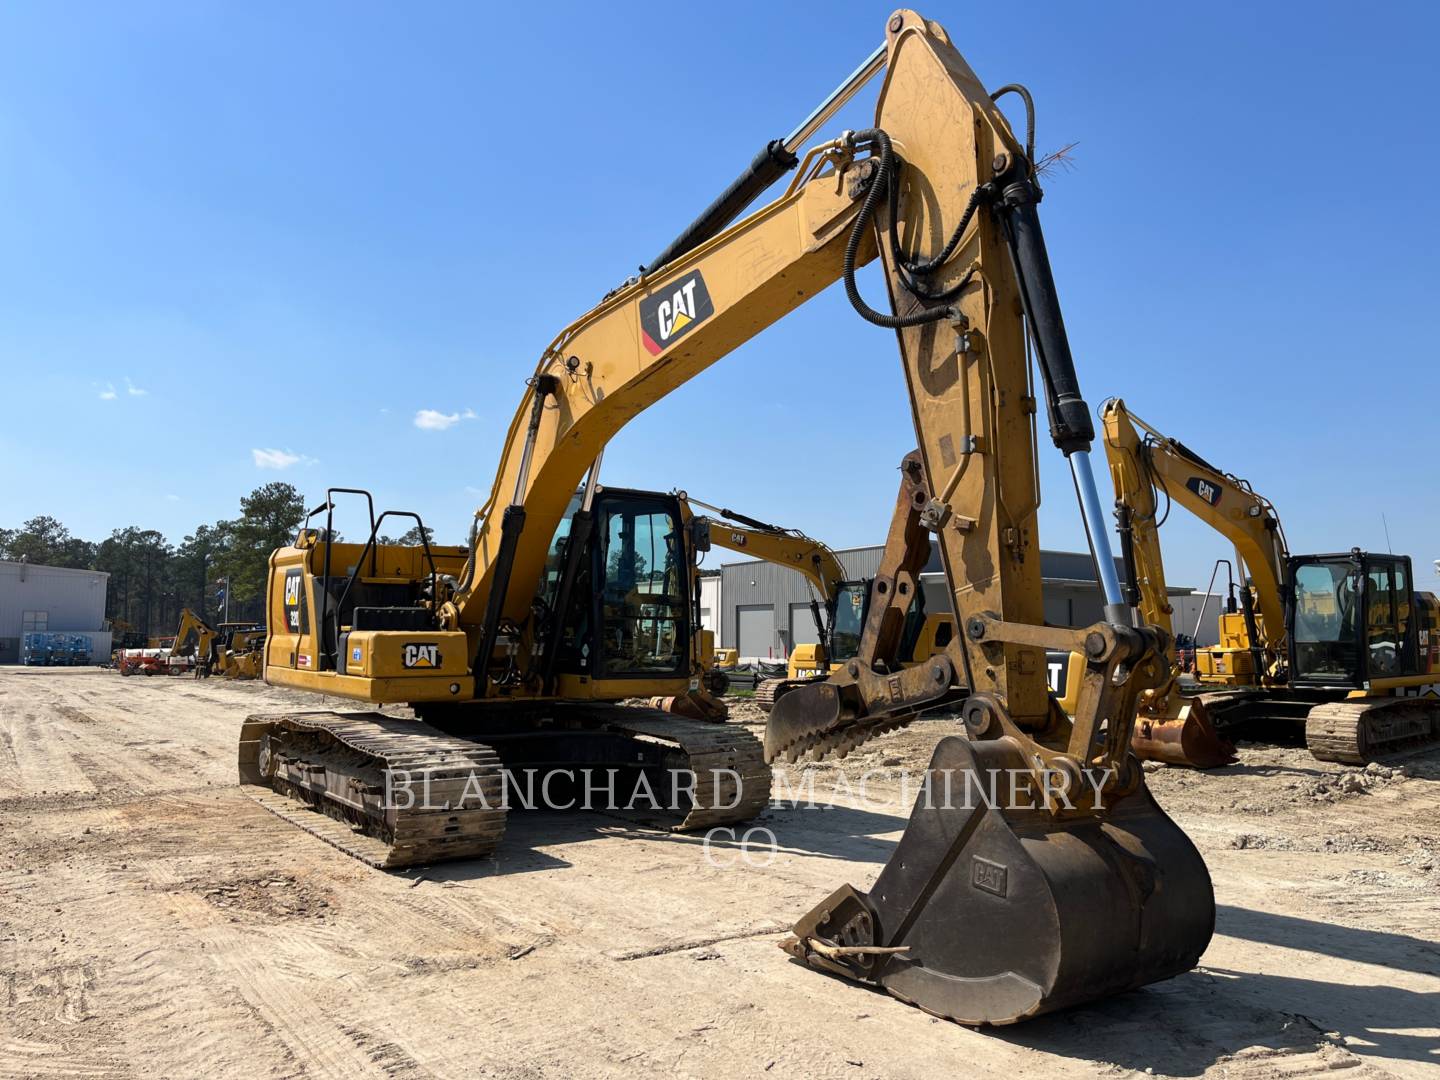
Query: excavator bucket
x,y
694,704
1169,726
1188,738
990,915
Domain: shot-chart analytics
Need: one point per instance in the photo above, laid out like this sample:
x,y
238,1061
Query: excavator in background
x,y
514,649
241,652
792,549
195,640
838,605
1173,726
245,654
1342,644
233,650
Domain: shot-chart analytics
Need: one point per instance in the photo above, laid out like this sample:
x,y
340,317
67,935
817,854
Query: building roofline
x,y
1088,583
53,569
877,547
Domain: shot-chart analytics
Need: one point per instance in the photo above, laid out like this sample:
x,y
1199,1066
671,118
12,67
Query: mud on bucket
x,y
989,915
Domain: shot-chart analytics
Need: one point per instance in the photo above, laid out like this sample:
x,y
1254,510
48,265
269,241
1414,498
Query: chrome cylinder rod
x,y
836,101
1116,610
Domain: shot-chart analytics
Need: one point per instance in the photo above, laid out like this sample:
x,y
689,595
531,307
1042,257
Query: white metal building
x,y
51,598
710,604
765,608
1198,609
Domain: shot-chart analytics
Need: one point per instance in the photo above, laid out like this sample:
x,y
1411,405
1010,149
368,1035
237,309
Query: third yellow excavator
x,y
1342,645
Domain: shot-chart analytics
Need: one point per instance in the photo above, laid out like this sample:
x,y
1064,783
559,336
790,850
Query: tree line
x,y
152,580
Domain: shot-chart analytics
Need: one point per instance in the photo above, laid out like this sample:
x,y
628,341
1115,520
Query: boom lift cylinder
x,y
1071,428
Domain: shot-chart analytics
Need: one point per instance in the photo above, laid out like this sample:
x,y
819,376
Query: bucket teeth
x,y
788,740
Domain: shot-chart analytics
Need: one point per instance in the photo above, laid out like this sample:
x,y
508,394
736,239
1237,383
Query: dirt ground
x,y
155,921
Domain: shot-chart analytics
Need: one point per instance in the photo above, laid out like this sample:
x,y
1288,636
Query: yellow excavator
x,y
838,605
233,651
823,573
1067,885
194,638
242,653
790,548
1341,644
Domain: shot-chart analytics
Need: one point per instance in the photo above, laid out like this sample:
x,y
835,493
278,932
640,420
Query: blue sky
x,y
230,228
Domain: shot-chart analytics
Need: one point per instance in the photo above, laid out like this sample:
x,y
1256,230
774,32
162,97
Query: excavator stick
x,y
990,915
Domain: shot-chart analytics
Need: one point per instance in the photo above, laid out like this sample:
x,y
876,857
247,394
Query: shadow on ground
x,y
840,833
1197,1019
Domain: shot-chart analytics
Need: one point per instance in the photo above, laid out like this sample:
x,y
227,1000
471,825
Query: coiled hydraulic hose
x,y
885,183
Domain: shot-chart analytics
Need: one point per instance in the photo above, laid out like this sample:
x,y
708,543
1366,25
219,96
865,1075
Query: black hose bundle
x,y
885,183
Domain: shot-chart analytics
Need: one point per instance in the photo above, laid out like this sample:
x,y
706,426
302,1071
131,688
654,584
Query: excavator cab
x,y
1350,619
850,608
625,611
921,635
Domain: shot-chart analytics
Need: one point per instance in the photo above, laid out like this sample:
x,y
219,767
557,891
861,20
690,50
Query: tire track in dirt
x,y
295,1010
166,997
38,762
50,1025
401,981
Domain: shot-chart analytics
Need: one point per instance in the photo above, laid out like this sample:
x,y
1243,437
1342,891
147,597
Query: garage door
x,y
756,629
802,626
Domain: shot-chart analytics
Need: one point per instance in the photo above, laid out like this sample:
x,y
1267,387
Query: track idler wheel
x,y
989,915
1188,739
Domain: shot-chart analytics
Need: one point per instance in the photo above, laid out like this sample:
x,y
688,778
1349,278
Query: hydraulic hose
x,y
885,184
1016,88
879,186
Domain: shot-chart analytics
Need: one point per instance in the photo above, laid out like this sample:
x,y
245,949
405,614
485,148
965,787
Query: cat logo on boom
x,y
1204,488
673,311
421,655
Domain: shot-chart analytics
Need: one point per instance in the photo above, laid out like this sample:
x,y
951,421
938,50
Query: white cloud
x,y
109,393
278,459
435,420
468,414
172,498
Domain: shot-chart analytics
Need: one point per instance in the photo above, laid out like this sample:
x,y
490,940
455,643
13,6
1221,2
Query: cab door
x,y
1388,647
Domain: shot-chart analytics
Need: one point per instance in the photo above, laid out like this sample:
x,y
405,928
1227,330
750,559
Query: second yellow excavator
x,y
838,605
234,650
